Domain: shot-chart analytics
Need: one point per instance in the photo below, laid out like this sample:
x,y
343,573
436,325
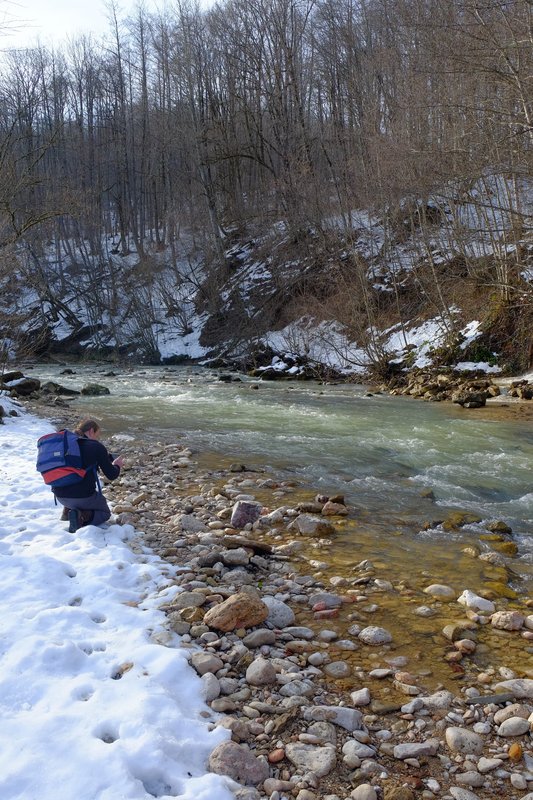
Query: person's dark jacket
x,y
93,454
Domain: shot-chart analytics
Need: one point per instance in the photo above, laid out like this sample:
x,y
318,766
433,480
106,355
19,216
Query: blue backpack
x,y
59,459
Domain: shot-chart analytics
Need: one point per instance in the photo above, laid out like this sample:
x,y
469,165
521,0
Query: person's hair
x,y
86,425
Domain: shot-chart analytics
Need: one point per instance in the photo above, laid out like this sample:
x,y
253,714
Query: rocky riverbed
x,y
322,701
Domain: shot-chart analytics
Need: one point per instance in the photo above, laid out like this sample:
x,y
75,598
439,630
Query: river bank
x,y
343,669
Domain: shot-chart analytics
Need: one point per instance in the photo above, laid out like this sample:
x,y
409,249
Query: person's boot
x,y
64,514
73,521
85,518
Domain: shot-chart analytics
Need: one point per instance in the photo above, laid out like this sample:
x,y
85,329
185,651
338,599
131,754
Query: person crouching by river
x,y
84,503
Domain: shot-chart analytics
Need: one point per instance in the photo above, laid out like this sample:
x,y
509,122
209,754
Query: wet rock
x,y
457,630
300,632
458,519
23,387
241,610
318,760
50,387
334,509
424,611
308,525
375,636
95,390
507,620
473,601
323,600
462,740
498,526
237,761
469,399
245,513
338,669
280,615
440,591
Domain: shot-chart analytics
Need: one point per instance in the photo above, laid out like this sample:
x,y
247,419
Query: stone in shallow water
x,y
424,611
308,525
245,513
475,602
440,591
338,669
325,599
507,620
375,635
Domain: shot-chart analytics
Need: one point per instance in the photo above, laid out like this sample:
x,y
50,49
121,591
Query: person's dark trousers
x,y
95,503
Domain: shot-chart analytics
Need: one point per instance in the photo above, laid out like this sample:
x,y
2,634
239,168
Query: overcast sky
x,y
51,21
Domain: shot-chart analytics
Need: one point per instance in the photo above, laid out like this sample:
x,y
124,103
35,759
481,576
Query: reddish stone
x,y
328,613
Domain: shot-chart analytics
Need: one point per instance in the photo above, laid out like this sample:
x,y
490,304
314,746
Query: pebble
x,y
319,760
462,740
361,697
338,669
365,791
374,635
280,615
440,591
514,726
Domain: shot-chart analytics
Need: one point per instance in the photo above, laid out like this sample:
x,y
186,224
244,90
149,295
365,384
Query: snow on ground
x,y
92,706
420,338
317,343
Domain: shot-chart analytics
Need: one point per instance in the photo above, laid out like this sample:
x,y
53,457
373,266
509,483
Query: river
x,y
400,463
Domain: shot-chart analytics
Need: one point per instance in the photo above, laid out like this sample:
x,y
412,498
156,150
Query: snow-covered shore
x,y
93,707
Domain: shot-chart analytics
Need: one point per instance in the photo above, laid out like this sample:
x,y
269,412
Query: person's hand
x,y
118,462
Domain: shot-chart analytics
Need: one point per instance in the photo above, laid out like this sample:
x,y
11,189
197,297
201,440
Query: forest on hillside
x,y
192,137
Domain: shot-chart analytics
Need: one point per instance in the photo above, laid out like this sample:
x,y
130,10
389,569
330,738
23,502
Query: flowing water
x,y
401,464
